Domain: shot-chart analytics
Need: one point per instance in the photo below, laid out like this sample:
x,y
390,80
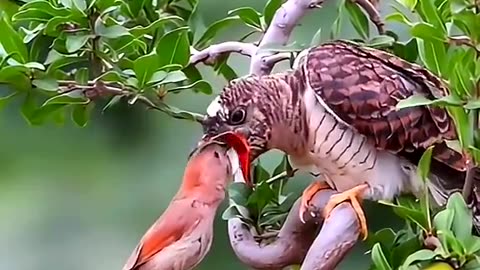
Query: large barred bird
x,y
335,115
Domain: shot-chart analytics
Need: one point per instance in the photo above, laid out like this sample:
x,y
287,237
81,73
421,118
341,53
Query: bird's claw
x,y
352,195
308,194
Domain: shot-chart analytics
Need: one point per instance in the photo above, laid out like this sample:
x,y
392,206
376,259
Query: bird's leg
x,y
353,195
308,194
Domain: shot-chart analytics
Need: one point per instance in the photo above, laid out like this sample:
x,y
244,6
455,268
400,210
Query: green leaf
x,y
420,255
403,250
427,31
81,76
174,77
63,62
67,99
75,42
410,212
15,76
420,100
139,30
114,31
239,193
43,6
145,67
158,77
443,220
198,86
81,114
410,4
462,125
249,16
11,41
71,4
379,259
358,19
462,222
398,17
381,41
114,100
270,8
213,30
174,48
46,84
40,115
431,15
424,163
472,245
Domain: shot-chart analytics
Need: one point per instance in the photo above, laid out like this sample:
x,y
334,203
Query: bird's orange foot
x,y
308,194
353,195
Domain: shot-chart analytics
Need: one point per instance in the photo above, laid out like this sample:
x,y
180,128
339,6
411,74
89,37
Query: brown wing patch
x,y
363,86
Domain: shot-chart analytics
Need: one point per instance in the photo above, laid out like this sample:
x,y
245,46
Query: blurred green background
x,y
78,199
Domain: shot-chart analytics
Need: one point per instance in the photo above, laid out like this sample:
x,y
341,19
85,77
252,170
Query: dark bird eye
x,y
237,116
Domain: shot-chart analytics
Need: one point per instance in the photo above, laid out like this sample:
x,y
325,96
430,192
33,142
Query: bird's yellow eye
x,y
237,116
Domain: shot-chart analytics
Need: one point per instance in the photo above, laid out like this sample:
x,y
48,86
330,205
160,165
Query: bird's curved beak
x,y
239,143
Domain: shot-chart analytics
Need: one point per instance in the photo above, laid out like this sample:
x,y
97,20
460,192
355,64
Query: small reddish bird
x,y
182,236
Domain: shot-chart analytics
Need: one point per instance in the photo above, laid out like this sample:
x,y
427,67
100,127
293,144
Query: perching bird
x,y
335,115
182,236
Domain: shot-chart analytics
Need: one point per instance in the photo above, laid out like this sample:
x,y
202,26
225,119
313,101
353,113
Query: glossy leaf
x,y
213,30
81,76
144,68
443,220
398,17
410,4
421,255
46,84
11,41
270,8
239,193
248,15
420,100
81,114
174,48
139,30
424,163
75,42
358,19
462,222
426,31
379,259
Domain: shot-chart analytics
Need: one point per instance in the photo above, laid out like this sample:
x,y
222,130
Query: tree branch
x,y
337,237
297,241
209,54
283,22
288,247
94,89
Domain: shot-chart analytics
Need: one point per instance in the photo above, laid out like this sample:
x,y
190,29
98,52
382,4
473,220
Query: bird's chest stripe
x,y
339,149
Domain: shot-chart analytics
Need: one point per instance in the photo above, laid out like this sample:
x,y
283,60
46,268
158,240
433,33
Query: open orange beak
x,y
239,143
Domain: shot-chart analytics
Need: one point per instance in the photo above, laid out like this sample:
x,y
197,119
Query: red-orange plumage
x,y
187,223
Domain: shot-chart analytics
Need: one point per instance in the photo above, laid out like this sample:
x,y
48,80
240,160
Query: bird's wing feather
x,y
177,221
363,86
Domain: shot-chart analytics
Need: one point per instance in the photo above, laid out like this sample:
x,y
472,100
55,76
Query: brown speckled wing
x,y
363,86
